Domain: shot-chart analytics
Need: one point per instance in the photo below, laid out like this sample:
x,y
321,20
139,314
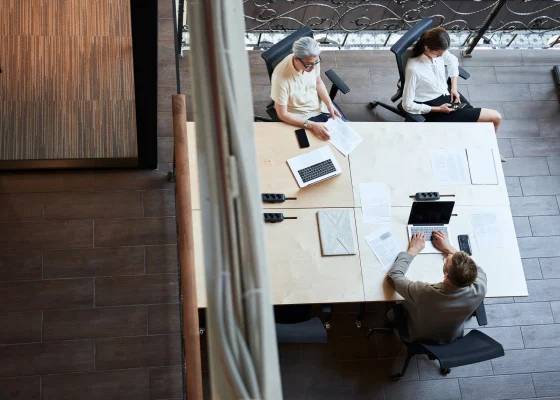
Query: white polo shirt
x,y
297,90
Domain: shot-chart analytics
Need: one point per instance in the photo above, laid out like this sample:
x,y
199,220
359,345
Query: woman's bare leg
x,y
488,115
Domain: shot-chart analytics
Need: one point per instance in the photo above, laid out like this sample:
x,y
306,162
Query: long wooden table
x,y
397,154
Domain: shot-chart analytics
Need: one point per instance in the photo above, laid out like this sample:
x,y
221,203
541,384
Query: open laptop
x,y
427,217
315,166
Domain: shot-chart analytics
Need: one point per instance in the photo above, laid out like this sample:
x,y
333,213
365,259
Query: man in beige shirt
x,y
437,312
300,95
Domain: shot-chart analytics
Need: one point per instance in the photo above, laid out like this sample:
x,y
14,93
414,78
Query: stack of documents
x,y
376,203
450,166
343,137
487,230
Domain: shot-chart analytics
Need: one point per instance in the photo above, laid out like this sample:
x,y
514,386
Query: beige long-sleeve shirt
x,y
436,312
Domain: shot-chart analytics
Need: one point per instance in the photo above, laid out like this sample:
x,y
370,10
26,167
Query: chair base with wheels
x,y
472,348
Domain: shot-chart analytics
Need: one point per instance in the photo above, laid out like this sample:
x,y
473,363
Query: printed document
x,y
487,230
376,203
385,246
450,166
343,137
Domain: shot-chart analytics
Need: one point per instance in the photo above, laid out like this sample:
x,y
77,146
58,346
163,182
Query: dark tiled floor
x,y
88,281
348,366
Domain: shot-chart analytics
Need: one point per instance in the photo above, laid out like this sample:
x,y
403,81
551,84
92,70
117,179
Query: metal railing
x,y
363,24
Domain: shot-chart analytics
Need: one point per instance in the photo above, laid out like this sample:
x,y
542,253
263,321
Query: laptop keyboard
x,y
427,230
316,171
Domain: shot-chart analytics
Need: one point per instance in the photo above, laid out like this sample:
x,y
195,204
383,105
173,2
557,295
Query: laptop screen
x,y
431,212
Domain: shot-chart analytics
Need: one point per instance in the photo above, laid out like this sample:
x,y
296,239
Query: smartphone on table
x,y
302,138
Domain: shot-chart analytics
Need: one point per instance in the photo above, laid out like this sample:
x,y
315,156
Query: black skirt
x,y
466,114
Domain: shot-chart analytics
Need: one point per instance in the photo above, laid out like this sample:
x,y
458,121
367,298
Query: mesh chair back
x,y
401,47
284,47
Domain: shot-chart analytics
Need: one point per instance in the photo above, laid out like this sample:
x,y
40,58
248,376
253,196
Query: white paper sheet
x,y
343,137
385,246
376,203
487,230
482,166
450,166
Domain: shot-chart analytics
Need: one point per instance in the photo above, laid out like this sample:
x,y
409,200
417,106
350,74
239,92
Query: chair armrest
x,y
271,111
262,119
481,315
337,81
464,74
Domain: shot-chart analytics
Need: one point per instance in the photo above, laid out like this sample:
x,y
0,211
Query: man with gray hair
x,y
299,93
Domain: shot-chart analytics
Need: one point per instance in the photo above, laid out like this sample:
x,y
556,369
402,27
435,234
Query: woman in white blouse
x,y
425,89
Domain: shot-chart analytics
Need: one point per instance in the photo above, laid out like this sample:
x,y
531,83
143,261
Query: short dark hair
x,y
435,39
462,272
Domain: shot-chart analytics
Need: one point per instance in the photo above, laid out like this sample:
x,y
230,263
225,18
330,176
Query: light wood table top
x,y
298,272
276,143
502,265
398,154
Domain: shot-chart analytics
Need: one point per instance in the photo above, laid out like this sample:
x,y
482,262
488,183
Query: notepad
x,y
336,229
482,166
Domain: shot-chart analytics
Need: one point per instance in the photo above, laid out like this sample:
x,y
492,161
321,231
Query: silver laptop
x,y
314,167
427,217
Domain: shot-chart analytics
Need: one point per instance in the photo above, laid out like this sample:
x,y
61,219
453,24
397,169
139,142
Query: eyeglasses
x,y
307,66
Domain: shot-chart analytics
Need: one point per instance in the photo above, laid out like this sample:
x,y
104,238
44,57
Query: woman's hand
x,y
446,108
320,130
333,111
455,96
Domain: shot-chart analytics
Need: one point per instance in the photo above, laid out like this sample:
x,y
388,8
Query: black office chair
x,y
297,324
294,324
402,52
280,50
472,348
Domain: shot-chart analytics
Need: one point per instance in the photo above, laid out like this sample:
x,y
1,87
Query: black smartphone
x,y
302,138
458,106
465,244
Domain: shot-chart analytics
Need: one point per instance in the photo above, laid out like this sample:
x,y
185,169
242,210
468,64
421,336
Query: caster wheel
x,y
201,331
358,324
327,325
372,104
445,371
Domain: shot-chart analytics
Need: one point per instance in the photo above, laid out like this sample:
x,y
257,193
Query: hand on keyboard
x,y
441,242
417,244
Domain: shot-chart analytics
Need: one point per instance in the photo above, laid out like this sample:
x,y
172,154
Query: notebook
x,y
482,166
336,230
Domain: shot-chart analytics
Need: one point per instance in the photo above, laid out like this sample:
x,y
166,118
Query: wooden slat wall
x,y
67,87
